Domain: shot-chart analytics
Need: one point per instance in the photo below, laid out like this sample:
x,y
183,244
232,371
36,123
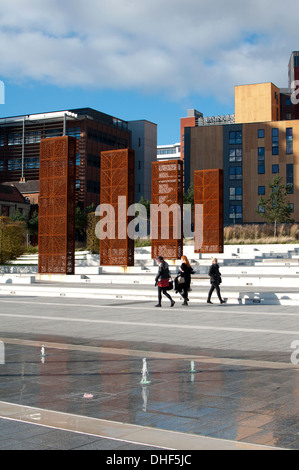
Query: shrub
x,y
12,239
92,242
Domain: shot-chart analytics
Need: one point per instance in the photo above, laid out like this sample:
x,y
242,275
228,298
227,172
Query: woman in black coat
x,y
215,279
185,275
162,281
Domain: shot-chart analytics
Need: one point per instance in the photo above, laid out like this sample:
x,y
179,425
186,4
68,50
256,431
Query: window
x,y
289,141
261,161
275,141
290,178
78,159
235,212
275,169
235,194
53,133
32,137
171,151
292,207
74,132
235,137
31,163
14,139
235,172
261,133
261,151
15,164
239,193
235,155
261,190
261,210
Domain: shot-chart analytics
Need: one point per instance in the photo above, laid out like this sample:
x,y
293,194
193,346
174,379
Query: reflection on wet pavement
x,y
220,400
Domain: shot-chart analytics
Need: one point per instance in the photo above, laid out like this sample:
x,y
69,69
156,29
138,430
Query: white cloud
x,y
196,46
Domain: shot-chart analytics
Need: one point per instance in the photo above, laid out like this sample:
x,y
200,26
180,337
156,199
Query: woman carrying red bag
x,y
162,281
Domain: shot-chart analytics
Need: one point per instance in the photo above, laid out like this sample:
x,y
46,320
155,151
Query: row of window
x,y
30,163
275,140
262,209
34,137
235,138
169,151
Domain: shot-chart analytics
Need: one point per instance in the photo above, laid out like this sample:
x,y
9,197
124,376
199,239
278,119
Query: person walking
x,y
162,281
215,279
183,280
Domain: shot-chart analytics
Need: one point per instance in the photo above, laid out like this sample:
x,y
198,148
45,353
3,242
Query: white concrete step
x,y
146,295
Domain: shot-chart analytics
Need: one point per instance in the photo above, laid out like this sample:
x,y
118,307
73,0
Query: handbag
x,y
163,283
181,280
170,286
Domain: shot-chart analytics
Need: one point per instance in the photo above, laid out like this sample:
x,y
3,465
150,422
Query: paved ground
x,y
86,392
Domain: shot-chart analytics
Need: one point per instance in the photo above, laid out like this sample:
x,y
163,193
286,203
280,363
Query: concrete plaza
x,y
221,376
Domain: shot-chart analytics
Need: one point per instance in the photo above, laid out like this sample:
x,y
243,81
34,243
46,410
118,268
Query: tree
x,y
81,216
146,204
189,195
276,209
12,239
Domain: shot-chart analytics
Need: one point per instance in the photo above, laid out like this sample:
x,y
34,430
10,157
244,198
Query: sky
x,y
141,59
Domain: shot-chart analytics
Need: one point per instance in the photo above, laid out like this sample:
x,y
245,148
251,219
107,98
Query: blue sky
x,y
145,59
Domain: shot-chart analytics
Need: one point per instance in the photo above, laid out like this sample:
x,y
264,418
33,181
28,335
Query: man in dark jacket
x,y
215,279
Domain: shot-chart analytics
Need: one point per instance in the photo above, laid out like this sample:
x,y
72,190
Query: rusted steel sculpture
x,y
117,191
167,209
56,219
208,191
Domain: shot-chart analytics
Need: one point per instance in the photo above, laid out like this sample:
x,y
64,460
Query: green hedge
x,y
92,242
12,239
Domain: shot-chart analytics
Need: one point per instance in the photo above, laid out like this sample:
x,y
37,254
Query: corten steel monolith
x,y
117,190
208,191
56,218
167,224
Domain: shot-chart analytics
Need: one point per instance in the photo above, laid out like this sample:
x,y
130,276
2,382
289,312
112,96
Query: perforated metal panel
x,y
167,189
117,180
56,220
208,191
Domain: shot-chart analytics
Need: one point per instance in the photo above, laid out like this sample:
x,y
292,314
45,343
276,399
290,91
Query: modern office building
x,y
95,132
169,152
144,143
260,141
